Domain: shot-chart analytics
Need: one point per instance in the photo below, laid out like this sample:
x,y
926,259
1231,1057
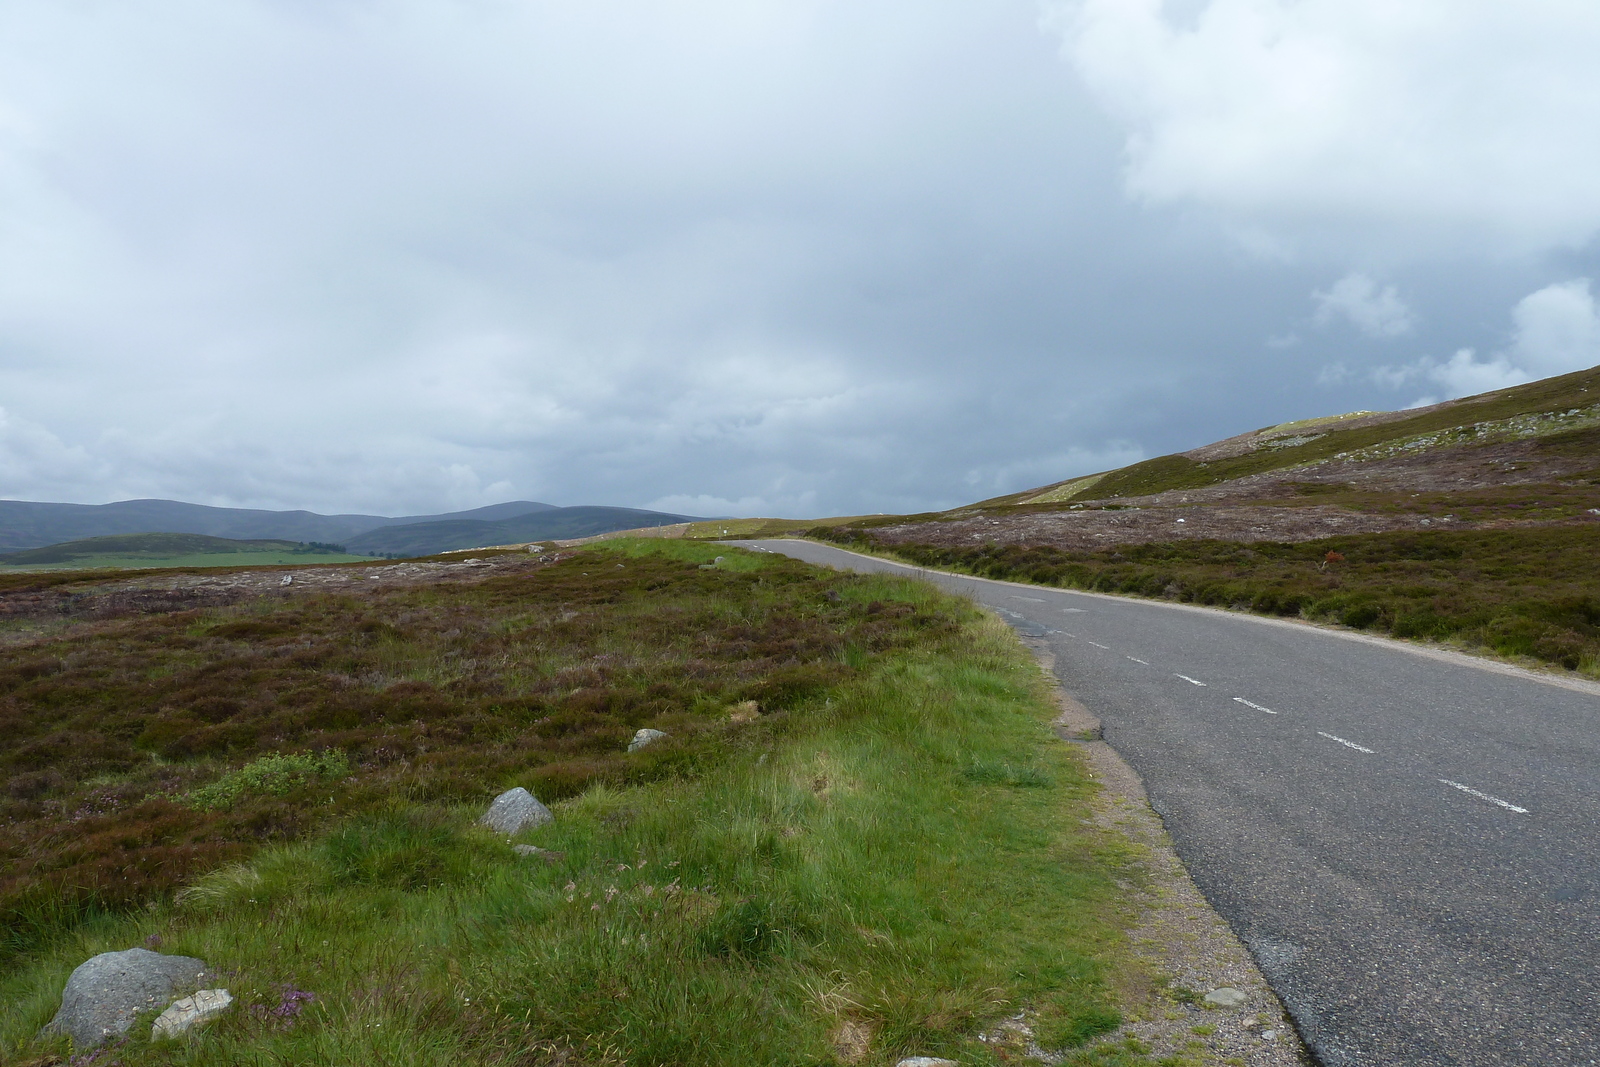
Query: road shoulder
x,y
1178,936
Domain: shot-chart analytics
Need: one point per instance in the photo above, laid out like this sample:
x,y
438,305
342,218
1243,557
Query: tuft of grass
x,y
838,871
268,776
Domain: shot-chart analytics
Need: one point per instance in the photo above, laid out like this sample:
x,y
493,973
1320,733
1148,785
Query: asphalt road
x,y
1406,841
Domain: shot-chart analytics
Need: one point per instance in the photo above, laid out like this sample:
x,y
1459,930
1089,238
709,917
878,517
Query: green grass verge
x,y
1530,593
882,865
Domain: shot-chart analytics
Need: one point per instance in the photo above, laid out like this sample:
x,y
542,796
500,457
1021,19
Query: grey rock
x,y
926,1061
514,811
645,737
1226,997
103,994
187,1013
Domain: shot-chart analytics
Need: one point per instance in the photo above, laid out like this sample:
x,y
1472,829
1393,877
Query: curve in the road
x,y
1405,837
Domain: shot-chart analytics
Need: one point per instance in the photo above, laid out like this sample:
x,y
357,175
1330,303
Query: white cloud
x,y
1333,374
1443,115
801,505
1357,298
1026,472
34,459
1558,329
1463,374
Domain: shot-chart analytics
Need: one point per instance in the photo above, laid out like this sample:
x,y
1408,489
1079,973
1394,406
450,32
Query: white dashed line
x,y
1074,611
1191,681
1346,744
1471,792
1029,599
1258,707
1136,659
1097,644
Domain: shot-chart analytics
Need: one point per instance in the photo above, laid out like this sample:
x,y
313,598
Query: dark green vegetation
x,y
1521,592
783,889
162,545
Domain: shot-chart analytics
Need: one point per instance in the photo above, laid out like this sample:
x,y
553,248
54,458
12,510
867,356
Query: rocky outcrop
x,y
105,993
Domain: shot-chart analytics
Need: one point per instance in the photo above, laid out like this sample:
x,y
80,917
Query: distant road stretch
x,y
1407,841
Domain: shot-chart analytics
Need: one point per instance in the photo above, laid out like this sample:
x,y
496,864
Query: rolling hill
x,y
171,549
424,538
1525,454
34,524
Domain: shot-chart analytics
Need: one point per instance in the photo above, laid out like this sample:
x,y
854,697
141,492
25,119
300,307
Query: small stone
x,y
549,855
1269,1035
1225,997
645,737
926,1061
104,993
186,1014
514,811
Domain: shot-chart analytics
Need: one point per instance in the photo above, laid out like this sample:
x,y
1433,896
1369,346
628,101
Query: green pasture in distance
x,y
123,551
195,559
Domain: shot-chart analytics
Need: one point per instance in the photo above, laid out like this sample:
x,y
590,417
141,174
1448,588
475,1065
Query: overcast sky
x,y
801,258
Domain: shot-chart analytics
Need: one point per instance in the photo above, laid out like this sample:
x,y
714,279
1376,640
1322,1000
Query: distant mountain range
x,y
28,524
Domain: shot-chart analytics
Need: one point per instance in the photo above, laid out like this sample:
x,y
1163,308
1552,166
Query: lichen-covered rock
x,y
105,993
186,1013
926,1061
645,737
514,811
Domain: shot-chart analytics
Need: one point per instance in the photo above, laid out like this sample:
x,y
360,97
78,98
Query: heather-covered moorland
x,y
806,870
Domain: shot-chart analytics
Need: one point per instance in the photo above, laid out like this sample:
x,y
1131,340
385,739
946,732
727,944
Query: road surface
x,y
1407,841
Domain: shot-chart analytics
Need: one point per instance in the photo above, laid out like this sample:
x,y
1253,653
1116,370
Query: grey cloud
x,y
821,257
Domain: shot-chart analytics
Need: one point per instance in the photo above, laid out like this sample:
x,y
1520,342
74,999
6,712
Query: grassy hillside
x,y
172,550
1565,405
810,884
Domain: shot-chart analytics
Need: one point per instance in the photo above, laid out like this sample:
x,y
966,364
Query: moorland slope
x,y
1475,521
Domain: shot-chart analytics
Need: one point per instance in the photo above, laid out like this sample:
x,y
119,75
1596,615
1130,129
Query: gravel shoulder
x,y
1189,947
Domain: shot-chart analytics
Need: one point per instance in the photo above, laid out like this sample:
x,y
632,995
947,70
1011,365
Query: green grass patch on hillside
x,y
1530,592
892,856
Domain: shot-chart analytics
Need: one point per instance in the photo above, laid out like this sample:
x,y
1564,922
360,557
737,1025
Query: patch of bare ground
x,y
1186,945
